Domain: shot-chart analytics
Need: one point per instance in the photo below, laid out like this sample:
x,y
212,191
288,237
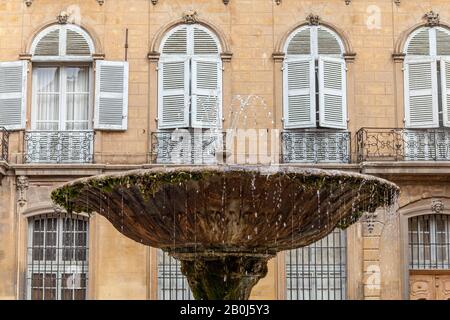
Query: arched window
x,y
314,79
62,43
427,78
62,79
58,258
190,79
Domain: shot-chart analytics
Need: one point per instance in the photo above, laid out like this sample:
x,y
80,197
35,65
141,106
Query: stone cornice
x,y
408,170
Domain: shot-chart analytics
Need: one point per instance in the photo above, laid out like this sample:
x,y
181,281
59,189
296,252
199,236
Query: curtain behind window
x,y
77,99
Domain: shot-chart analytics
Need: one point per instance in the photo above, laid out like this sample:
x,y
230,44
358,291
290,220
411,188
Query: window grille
x,y
318,272
172,284
429,242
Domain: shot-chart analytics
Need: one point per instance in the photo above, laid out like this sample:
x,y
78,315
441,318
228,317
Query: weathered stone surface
x,y
217,220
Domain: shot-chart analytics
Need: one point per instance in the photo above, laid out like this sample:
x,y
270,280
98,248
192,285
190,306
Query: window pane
x,y
47,98
77,115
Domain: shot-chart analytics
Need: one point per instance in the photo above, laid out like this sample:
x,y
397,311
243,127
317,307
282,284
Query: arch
x,y
341,35
164,31
402,40
91,37
422,206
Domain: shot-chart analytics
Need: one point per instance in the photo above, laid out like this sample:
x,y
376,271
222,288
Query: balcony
x,y
186,147
59,147
4,143
316,147
397,144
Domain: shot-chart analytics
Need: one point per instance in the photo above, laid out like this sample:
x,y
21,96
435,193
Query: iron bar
x,y
398,144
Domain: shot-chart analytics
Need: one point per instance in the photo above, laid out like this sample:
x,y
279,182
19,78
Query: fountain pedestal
x,y
223,276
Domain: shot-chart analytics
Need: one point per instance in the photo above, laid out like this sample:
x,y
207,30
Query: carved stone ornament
x,y
63,17
154,2
190,17
277,2
432,18
22,184
397,2
437,206
313,19
225,2
101,2
28,2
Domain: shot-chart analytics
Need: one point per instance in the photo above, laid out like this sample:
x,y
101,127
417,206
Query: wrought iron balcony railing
x,y
316,147
397,144
59,147
186,147
4,144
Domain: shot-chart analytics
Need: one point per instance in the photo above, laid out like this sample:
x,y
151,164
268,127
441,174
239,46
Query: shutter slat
x,y
420,43
332,93
206,94
300,43
49,44
76,44
176,43
421,104
327,42
13,84
173,107
111,108
204,43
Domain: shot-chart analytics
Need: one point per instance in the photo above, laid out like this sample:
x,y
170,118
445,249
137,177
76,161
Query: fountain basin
x,y
226,222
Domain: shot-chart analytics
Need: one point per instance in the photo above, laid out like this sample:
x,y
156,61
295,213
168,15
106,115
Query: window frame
x,y
189,58
421,248
437,60
314,54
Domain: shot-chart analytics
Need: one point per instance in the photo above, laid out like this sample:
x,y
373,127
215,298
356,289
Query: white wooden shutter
x,y
13,87
173,97
332,93
111,95
299,105
445,84
206,92
421,93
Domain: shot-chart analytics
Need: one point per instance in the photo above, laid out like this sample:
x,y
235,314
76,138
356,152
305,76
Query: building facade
x,y
91,87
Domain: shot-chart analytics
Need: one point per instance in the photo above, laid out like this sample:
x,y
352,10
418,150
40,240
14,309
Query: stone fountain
x,y
225,222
